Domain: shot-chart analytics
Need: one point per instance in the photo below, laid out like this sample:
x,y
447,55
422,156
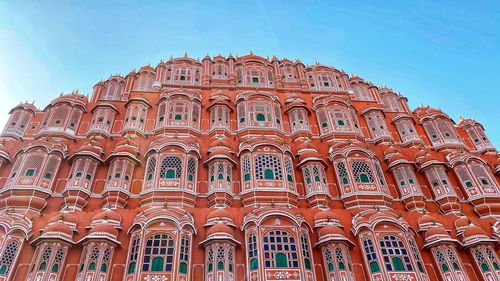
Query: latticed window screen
x,y
362,172
343,261
280,250
58,260
342,172
252,251
158,254
306,254
171,167
105,260
8,256
390,102
446,129
340,117
394,254
150,170
482,175
51,167
268,167
371,256
133,254
416,255
431,131
210,260
94,257
220,258
464,176
45,258
307,175
322,118
289,169
380,174
184,254
246,168
33,163
191,169
328,256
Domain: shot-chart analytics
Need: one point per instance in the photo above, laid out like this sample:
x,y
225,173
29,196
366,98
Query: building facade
x,y
245,168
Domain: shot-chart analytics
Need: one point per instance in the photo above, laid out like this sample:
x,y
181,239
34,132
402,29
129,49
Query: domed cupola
x,y
220,163
437,234
59,227
220,215
461,224
104,228
326,217
473,235
332,234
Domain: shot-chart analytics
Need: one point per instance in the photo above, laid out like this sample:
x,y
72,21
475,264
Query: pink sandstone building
x,y
245,168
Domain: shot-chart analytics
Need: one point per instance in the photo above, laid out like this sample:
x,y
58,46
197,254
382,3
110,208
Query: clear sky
x,y
442,53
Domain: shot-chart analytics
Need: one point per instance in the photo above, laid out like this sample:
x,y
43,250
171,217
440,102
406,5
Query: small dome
x,y
390,150
325,216
58,227
310,155
436,232
427,221
330,230
104,228
64,217
220,213
473,231
220,229
107,215
305,146
421,153
461,223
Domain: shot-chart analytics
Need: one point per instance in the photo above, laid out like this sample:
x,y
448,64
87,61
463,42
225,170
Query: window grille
x,y
133,254
172,164
394,254
371,256
280,250
158,254
8,256
362,172
265,163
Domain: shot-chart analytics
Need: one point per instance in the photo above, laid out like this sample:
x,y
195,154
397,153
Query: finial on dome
x,y
61,218
185,54
250,53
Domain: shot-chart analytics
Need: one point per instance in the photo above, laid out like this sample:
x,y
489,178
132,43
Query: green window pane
x,y
316,178
47,176
340,122
79,174
220,265
190,178
43,266
308,180
104,267
30,172
445,268
3,269
247,177
170,174
485,267
131,268
157,264
281,260
230,267
484,181
468,183
345,181
268,174
307,263
341,265
212,178
420,267
289,178
242,119
91,266
324,125
455,266
118,175
363,178
374,267
330,267
210,267
255,79
88,177
260,117
254,264
150,177
183,268
183,78
55,268
220,177
398,264
178,117
411,181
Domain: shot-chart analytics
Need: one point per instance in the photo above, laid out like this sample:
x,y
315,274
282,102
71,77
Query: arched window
x,y
371,256
395,255
328,256
171,167
362,172
252,251
184,254
210,260
158,253
306,254
246,169
191,170
280,250
8,257
268,167
133,254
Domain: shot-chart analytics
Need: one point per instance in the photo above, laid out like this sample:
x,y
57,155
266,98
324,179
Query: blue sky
x,y
442,53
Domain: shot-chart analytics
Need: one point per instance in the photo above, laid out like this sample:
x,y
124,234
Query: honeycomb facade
x,y
245,168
